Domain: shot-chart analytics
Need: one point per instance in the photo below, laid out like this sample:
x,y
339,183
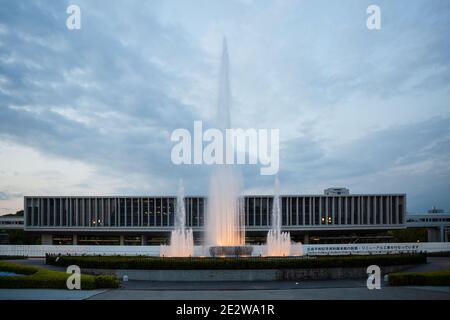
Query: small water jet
x,y
278,243
181,239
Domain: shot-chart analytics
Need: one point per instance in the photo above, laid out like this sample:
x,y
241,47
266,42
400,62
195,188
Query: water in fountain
x,y
278,243
224,221
181,240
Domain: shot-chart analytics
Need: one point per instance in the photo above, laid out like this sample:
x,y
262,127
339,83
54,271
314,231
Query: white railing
x,y
317,249
375,248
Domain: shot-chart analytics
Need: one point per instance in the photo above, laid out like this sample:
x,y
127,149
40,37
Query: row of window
x,y
98,212
160,212
340,210
11,222
429,220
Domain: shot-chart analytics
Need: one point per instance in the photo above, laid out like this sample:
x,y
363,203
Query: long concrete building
x,y
334,217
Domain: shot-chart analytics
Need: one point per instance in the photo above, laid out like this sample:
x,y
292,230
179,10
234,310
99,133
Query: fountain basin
x,y
10,274
230,251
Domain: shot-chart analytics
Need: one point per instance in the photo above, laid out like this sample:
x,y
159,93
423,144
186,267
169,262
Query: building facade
x,y
149,220
437,224
8,223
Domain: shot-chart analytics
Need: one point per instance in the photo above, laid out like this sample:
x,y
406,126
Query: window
x,y
251,212
307,208
129,218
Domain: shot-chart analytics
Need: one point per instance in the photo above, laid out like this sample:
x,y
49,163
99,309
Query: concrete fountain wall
x,y
243,275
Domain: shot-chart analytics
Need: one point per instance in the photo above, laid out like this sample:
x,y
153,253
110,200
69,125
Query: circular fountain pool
x,y
230,251
9,274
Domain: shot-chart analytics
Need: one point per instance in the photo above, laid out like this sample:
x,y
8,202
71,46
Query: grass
x,y
35,277
158,263
433,278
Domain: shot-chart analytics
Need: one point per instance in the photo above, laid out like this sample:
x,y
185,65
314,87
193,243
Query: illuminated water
x,y
278,243
224,225
181,239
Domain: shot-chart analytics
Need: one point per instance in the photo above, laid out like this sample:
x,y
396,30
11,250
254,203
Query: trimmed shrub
x,y
439,254
434,278
154,263
36,277
17,268
106,281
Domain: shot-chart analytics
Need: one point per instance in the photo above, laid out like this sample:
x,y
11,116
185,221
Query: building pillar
x,y
144,240
75,239
46,239
433,235
306,239
122,240
442,234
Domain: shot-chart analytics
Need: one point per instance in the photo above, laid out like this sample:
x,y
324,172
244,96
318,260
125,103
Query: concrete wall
x,y
242,275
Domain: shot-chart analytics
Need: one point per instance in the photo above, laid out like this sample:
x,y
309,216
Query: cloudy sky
x,y
90,111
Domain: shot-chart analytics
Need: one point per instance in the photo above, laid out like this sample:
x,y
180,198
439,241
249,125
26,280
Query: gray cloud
x,y
110,94
406,158
100,75
8,196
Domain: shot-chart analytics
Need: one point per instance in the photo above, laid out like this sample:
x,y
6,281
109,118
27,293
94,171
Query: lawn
x,y
32,277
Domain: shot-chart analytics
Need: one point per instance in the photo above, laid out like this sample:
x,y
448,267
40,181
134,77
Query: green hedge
x,y
147,263
17,268
434,278
439,254
36,277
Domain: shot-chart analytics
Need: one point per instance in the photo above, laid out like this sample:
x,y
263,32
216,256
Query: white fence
x,y
318,249
375,248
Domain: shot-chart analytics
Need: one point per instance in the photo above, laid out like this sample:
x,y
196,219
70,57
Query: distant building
x,y
11,222
437,225
336,191
435,210
7,223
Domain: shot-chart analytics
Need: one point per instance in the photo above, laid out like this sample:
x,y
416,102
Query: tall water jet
x,y
224,223
181,239
278,243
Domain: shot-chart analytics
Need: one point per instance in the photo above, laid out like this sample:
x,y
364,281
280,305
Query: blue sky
x,y
90,112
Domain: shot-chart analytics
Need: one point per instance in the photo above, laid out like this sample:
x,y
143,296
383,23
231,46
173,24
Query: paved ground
x,y
235,285
46,294
389,293
329,292
320,290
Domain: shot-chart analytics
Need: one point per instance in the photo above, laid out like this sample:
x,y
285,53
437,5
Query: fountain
x,y
225,233
181,239
278,243
224,220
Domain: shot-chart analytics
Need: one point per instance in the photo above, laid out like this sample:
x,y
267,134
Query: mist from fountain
x,y
181,239
278,243
224,224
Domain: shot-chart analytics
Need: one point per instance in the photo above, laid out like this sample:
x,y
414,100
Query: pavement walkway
x,y
47,294
359,293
